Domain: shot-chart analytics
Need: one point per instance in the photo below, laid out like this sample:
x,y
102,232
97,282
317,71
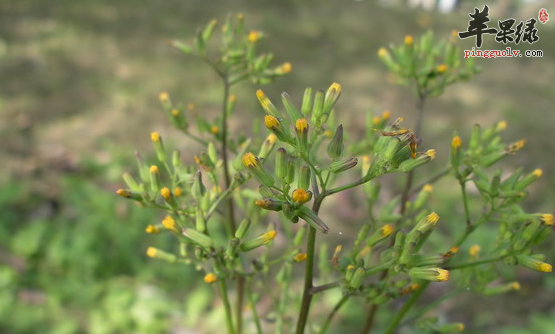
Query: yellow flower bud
x,y
385,115
431,153
428,188
456,142
170,224
409,40
210,278
474,250
151,251
155,137
300,257
301,196
154,169
177,192
537,172
386,230
215,129
123,193
163,97
501,126
382,52
515,286
151,229
166,193
286,68
442,68
547,219
301,125
269,236
271,122
253,36
442,275
249,160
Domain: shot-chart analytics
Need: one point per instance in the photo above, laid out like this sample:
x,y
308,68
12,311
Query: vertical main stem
x,y
230,208
227,308
309,270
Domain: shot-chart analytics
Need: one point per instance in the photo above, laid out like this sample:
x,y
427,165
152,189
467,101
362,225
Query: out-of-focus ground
x,y
78,95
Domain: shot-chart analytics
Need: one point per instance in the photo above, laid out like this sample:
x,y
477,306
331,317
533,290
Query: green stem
x,y
399,315
345,187
309,271
252,305
227,308
332,314
476,263
465,201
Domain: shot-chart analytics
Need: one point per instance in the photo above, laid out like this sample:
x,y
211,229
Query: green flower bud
x,y
429,274
267,104
131,182
451,328
293,112
232,246
304,177
290,172
176,158
243,228
265,191
318,108
155,183
474,137
331,97
200,221
380,234
301,128
312,219
456,152
495,290
281,163
270,204
129,194
343,165
158,146
528,179
307,101
212,153
274,124
335,147
410,164
264,239
156,253
534,263
199,238
356,281
267,146
209,29
198,189
419,260
252,163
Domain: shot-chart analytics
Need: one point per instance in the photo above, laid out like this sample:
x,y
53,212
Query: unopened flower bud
x,y
267,104
343,165
242,228
269,204
264,239
307,101
429,274
304,177
335,147
210,278
267,146
156,253
199,238
301,128
301,196
252,163
533,263
158,146
528,179
281,163
198,189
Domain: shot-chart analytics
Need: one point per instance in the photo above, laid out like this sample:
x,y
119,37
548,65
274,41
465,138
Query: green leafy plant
x,y
226,229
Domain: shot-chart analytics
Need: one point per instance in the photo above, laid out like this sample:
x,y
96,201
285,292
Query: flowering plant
x,y
222,226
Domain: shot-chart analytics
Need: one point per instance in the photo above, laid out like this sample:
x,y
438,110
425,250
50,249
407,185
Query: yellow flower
x,y
215,129
170,224
386,114
428,188
300,257
175,112
474,250
409,40
269,236
123,193
151,229
166,193
190,106
432,218
442,68
301,125
301,196
253,36
177,191
164,97
335,86
155,137
210,278
515,286
375,120
501,126
271,122
431,153
382,52
153,169
456,142
249,160
286,68
442,275
386,230
151,251
545,267
537,172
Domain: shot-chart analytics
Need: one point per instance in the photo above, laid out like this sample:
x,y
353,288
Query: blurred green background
x,y
79,82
